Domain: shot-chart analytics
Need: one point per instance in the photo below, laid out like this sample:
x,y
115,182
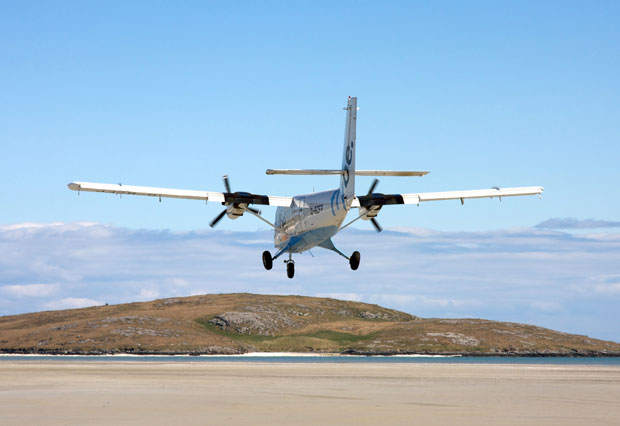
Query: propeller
x,y
223,212
374,221
373,185
217,218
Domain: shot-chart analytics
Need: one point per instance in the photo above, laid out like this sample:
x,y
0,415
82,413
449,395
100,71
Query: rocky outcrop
x,y
266,324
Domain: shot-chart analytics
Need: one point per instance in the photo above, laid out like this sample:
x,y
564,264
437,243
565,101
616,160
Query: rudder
x,y
347,180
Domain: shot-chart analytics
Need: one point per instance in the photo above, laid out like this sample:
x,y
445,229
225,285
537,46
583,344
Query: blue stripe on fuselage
x,y
309,239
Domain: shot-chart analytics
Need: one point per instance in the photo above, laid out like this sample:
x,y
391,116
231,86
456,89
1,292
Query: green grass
x,y
326,339
337,336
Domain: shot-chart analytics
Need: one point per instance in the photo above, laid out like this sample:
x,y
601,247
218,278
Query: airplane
x,y
303,222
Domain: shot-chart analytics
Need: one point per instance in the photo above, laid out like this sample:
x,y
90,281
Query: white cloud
x,y
507,275
255,242
148,294
468,245
29,290
342,296
417,232
52,225
572,223
393,299
179,282
72,303
608,288
547,306
409,299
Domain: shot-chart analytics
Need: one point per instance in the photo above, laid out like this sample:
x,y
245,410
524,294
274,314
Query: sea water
x,y
311,358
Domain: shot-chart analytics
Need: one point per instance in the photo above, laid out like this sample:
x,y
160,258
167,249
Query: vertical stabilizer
x,y
347,181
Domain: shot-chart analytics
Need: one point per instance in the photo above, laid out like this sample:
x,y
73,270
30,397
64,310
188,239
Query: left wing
x,y
223,197
376,199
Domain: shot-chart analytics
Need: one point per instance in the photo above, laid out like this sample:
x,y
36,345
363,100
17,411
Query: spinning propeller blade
x,y
221,215
373,186
231,199
374,221
217,218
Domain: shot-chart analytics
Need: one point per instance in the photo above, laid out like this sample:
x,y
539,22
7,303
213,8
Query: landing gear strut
x,y
354,260
290,264
267,260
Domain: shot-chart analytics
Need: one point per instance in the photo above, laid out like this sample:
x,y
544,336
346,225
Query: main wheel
x,y
290,269
267,260
354,260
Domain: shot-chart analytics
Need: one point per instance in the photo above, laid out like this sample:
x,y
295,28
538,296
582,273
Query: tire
x,y
354,260
267,260
290,269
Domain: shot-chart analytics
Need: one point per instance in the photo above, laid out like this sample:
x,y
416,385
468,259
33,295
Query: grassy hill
x,y
240,323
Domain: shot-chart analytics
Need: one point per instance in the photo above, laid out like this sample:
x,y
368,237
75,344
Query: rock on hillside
x,y
240,323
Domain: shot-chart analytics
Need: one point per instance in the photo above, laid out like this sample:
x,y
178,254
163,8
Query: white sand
x,y
226,393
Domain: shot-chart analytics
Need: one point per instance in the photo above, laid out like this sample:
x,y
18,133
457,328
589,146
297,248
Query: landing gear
x,y
267,260
290,266
354,260
290,269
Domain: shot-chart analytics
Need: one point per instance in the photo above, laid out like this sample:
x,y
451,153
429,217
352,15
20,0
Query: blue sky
x,y
176,95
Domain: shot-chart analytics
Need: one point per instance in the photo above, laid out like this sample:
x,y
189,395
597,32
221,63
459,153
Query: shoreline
x,y
52,353
248,355
300,359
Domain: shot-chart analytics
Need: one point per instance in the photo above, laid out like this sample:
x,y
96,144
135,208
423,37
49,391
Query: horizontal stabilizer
x,y
307,172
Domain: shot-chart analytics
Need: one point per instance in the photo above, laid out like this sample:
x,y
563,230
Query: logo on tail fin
x,y
348,157
347,185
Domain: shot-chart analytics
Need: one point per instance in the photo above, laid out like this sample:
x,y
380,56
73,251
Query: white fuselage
x,y
313,219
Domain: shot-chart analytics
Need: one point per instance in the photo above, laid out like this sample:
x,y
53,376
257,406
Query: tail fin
x,y
347,181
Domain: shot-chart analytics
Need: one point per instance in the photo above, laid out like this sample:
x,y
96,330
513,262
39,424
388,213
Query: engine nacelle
x,y
369,212
234,211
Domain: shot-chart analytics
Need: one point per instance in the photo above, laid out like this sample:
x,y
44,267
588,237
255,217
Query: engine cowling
x,y
235,211
369,212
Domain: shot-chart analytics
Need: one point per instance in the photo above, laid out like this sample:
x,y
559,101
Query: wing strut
x,y
251,211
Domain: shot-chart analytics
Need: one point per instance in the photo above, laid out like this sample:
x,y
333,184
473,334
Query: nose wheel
x,y
290,264
290,268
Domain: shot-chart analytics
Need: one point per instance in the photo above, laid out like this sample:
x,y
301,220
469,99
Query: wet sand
x,y
154,393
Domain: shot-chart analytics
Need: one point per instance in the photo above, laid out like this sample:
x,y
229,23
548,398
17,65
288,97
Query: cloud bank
x,y
571,223
539,276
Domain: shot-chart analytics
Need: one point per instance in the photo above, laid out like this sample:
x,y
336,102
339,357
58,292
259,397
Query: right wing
x,y
376,199
223,197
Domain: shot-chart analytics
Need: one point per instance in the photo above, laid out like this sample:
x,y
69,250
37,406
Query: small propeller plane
x,y
306,221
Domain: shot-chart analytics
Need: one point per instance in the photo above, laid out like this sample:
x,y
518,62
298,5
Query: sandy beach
x,y
201,393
